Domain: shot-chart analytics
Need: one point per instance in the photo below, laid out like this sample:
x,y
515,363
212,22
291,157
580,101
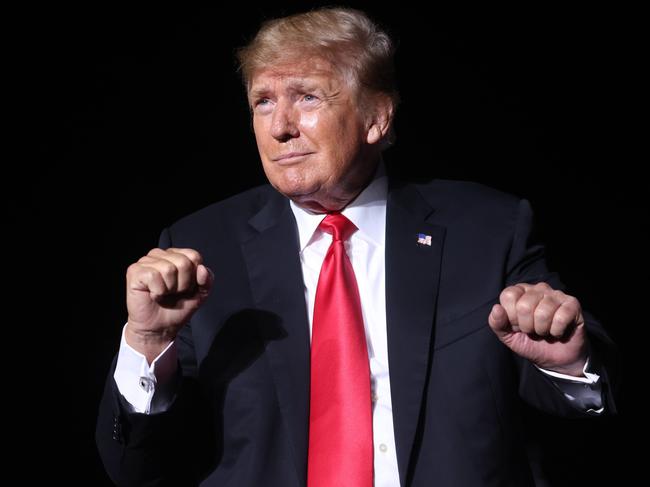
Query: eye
x,y
261,101
310,98
262,105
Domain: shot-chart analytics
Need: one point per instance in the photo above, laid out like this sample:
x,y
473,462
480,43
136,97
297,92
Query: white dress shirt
x,y
366,250
137,381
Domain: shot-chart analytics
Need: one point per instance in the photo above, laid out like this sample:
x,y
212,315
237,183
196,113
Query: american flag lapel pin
x,y
424,239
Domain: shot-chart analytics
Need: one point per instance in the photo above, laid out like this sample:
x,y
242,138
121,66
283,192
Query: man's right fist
x,y
163,290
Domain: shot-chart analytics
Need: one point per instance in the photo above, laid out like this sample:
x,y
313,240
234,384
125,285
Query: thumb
x,y
204,278
499,322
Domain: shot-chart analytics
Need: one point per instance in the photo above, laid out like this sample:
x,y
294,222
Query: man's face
x,y
312,140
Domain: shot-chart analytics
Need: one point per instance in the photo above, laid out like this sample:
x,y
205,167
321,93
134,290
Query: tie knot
x,y
338,226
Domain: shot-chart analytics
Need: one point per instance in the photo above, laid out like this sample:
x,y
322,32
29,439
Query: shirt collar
x,y
367,212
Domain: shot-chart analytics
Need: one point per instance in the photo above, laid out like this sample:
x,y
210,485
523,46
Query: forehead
x,y
297,73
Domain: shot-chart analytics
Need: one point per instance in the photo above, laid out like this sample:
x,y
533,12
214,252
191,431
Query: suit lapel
x,y
272,258
412,276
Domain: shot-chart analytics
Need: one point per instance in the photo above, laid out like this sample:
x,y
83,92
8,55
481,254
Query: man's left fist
x,y
542,325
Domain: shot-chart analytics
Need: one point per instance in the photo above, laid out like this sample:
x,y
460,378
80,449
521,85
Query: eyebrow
x,y
296,84
303,84
258,92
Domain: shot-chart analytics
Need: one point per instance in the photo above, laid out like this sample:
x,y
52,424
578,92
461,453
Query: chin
x,y
305,197
300,195
295,187
318,203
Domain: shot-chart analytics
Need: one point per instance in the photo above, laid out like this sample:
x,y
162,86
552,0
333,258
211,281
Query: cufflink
x,y
146,384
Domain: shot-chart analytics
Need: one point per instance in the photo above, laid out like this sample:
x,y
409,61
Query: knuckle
x,y
150,274
526,327
132,270
509,294
572,302
542,314
558,294
524,307
562,317
194,256
167,269
184,265
557,329
541,327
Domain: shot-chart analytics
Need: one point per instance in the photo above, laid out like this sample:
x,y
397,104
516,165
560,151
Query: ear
x,y
382,116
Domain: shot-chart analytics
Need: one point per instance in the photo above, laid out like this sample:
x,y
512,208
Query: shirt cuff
x,y
585,393
138,381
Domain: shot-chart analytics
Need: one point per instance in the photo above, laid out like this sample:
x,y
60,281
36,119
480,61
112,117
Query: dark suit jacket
x,y
240,417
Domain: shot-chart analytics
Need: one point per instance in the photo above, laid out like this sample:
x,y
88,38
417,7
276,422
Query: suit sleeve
x,y
527,263
170,448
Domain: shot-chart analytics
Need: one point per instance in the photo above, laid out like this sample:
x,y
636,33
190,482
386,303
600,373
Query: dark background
x,y
136,117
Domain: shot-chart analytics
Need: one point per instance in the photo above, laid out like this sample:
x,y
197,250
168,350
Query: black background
x,y
136,117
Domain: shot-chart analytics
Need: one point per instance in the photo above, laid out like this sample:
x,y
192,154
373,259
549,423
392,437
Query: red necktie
x,y
340,411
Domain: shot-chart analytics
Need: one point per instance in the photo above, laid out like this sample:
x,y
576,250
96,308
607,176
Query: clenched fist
x,y
542,325
163,290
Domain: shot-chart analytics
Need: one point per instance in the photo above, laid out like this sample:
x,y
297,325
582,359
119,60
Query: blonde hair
x,y
347,38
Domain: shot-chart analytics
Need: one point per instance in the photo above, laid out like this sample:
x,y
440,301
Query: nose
x,y
284,124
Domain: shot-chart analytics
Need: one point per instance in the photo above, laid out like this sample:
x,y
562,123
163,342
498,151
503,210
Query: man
x,y
336,328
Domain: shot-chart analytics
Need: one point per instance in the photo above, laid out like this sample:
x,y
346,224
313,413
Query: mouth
x,y
291,157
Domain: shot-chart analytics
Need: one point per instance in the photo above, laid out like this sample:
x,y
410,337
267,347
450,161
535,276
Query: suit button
x,y
117,429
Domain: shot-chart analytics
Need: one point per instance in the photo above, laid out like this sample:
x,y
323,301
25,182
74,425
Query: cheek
x,y
309,121
347,142
328,135
260,138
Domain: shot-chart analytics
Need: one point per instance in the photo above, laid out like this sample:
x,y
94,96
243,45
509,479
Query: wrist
x,y
148,343
575,369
